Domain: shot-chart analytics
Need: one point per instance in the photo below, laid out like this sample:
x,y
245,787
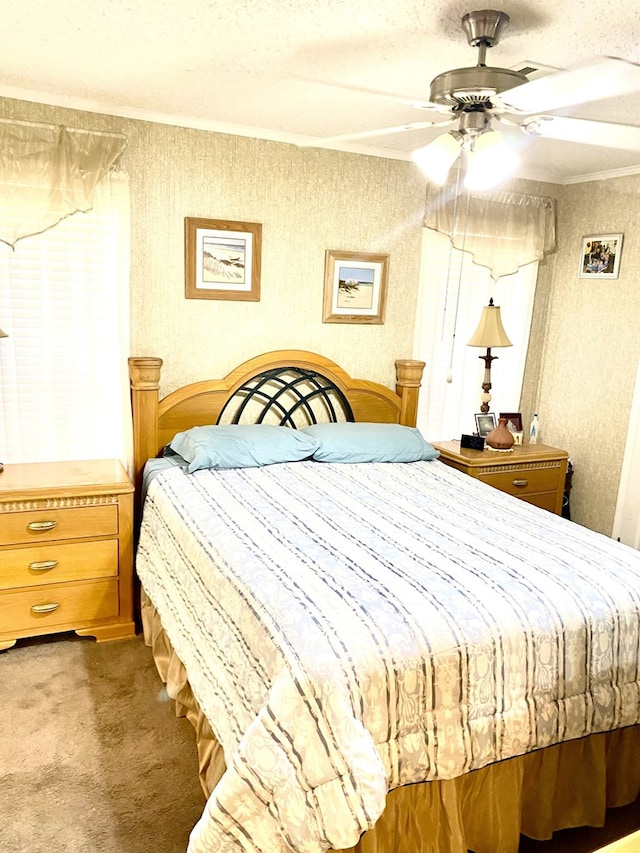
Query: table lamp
x,y
490,333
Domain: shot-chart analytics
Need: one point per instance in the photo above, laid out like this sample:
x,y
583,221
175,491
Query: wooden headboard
x,y
156,421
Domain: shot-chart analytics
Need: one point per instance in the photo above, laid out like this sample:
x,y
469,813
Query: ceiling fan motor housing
x,y
473,86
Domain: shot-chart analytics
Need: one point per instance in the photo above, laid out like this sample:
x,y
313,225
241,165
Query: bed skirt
x,y
485,811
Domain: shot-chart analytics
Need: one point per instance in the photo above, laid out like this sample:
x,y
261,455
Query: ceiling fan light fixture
x,y
489,162
436,158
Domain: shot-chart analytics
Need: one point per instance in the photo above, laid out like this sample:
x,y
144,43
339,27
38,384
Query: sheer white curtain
x,y
64,303
476,247
48,172
503,231
452,293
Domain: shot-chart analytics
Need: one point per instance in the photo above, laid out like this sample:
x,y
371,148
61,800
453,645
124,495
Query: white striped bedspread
x,y
348,629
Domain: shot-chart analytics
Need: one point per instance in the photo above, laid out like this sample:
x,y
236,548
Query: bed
x,y
376,655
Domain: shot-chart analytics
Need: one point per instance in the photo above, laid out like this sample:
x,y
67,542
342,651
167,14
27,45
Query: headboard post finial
x,y
144,378
408,378
144,373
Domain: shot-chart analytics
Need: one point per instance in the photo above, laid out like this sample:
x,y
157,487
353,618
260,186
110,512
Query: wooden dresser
x,y
66,550
532,472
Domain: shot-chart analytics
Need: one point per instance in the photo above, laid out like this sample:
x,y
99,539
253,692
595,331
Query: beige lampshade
x,y
490,331
3,334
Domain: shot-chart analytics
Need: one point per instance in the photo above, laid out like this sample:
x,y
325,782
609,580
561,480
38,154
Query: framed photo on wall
x,y
600,256
355,287
222,259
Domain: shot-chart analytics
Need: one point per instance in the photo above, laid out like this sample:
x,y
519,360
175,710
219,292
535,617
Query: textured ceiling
x,y
303,72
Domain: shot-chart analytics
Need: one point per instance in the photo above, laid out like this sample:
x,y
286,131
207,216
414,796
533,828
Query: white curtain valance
x,y
48,172
501,230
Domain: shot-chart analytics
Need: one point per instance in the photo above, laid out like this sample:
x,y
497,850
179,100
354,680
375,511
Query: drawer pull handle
x,y
39,526
45,608
520,482
43,565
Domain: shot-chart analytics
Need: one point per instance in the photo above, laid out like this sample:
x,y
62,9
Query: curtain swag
x,y
501,230
48,172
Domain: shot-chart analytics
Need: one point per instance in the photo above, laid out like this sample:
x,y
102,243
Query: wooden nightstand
x,y
66,558
532,472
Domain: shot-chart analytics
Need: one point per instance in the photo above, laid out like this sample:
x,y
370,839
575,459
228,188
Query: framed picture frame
x,y
514,421
514,425
222,259
355,287
485,422
600,256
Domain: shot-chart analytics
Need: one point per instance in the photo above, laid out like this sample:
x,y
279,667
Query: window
x,y
64,302
452,293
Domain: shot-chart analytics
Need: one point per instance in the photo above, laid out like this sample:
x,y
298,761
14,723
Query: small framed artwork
x,y
514,425
355,287
600,256
222,259
485,422
514,421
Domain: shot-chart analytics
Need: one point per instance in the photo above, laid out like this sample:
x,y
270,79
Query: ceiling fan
x,y
476,97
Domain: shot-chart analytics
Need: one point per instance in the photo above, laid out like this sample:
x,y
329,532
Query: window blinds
x,y
64,302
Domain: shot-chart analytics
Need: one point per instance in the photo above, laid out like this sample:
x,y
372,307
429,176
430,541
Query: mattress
x,y
348,629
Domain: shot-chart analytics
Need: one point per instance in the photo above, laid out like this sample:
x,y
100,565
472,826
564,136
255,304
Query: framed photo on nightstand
x,y
485,422
514,421
514,425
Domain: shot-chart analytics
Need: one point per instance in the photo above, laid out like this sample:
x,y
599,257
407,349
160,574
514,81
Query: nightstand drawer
x,y
534,473
58,562
524,481
44,608
47,525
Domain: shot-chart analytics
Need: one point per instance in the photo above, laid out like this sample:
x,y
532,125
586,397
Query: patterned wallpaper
x,y
308,200
584,347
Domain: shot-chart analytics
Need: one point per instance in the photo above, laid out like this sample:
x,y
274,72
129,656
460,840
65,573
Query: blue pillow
x,y
368,442
241,446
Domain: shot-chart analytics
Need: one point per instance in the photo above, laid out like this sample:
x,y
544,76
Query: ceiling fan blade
x,y
391,97
601,133
594,80
385,131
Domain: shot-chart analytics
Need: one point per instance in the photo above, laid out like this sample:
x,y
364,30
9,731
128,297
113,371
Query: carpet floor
x,y
92,756
94,760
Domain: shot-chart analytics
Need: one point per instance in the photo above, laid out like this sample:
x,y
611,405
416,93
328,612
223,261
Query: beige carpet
x,y
94,760
92,756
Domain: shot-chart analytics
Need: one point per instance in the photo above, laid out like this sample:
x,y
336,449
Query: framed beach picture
x,y
355,287
600,256
222,259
